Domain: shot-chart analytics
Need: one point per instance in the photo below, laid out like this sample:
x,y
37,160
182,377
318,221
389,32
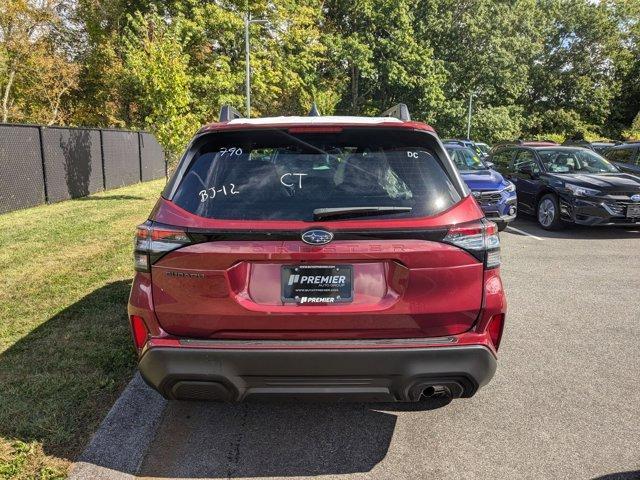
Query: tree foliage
x,y
534,67
35,71
157,69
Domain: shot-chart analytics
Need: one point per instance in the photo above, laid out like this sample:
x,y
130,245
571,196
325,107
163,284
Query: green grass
x,y
65,349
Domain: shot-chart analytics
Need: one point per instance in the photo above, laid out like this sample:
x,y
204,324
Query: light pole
x,y
469,116
247,59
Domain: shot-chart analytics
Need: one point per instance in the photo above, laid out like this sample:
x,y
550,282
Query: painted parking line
x,y
523,232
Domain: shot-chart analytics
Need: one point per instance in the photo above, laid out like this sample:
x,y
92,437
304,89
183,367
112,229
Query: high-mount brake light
x,y
315,129
480,238
152,241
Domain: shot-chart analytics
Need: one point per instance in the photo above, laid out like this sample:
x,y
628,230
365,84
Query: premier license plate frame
x,y
633,211
316,284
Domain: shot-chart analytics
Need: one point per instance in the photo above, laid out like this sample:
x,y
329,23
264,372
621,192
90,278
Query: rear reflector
x,y
154,240
494,329
141,261
480,238
140,332
493,258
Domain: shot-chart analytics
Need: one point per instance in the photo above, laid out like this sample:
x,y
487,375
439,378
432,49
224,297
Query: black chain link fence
x,y
49,164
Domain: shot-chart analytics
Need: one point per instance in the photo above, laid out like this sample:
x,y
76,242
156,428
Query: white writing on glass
x,y
210,193
412,154
230,151
288,179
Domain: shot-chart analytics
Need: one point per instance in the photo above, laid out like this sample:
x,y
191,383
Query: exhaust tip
x,y
424,389
428,392
435,391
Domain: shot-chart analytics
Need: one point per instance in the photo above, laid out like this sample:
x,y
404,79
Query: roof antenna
x,y
314,112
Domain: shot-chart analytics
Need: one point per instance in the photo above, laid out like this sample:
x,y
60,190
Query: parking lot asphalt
x,y
565,401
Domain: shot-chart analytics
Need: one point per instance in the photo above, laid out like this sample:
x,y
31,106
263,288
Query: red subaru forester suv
x,y
317,257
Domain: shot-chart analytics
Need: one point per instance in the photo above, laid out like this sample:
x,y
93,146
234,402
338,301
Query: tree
x,y
290,58
534,67
633,133
211,35
157,70
37,71
493,124
573,77
486,48
626,103
375,47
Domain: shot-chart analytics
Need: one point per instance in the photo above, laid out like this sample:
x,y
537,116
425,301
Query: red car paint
x,y
407,291
293,125
141,304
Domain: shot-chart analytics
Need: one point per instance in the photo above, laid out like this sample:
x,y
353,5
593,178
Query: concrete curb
x,y
118,448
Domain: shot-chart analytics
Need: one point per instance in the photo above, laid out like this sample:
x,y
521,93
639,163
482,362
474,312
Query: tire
x,y
548,212
501,225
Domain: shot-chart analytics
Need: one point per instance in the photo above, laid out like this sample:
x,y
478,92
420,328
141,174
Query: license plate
x,y
633,211
317,284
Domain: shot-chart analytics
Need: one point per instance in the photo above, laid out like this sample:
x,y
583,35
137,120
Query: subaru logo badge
x,y
317,237
635,198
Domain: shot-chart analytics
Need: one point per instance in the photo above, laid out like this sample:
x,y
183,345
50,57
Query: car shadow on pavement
x,y
529,226
634,475
213,440
59,381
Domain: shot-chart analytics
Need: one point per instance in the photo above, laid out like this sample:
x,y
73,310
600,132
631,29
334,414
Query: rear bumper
x,y
360,374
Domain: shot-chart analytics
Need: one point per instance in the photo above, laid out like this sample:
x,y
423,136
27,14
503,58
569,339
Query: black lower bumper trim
x,y
593,213
385,374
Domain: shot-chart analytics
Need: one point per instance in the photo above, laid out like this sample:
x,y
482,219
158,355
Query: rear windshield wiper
x,y
346,212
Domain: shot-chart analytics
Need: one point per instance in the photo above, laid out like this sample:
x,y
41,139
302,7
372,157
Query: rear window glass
x,y
465,159
622,155
276,175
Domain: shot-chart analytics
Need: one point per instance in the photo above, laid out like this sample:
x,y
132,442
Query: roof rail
x,y
508,142
399,111
520,141
454,140
228,113
314,112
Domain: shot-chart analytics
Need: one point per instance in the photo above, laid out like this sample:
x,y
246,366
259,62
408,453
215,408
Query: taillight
x,y
140,332
479,238
153,241
495,328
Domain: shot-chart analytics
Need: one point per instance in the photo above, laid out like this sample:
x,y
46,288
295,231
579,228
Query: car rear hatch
x,y
342,234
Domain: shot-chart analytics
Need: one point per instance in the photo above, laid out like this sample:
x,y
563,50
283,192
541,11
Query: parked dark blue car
x,y
625,156
496,195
